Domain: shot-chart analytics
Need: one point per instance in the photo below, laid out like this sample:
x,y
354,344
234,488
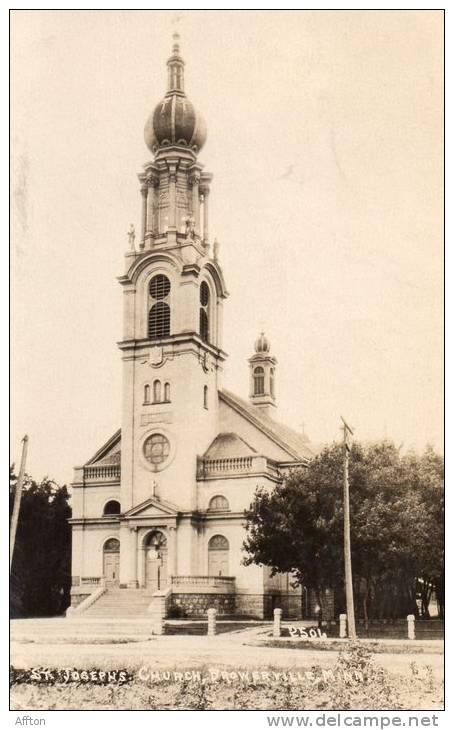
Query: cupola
x,y
262,393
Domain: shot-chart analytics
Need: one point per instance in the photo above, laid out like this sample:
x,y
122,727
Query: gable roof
x,y
294,443
228,444
109,453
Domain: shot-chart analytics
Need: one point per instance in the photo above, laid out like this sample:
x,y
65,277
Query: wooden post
x,y
411,626
17,500
347,549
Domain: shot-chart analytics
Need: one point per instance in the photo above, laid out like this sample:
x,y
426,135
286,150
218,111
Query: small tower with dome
x,y
262,392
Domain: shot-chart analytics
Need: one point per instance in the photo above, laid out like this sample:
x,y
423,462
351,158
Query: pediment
x,y
153,507
109,453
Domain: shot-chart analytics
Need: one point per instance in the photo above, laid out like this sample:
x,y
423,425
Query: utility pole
x,y
348,433
17,500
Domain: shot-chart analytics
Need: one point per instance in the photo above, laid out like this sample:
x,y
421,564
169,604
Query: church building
x,y
159,508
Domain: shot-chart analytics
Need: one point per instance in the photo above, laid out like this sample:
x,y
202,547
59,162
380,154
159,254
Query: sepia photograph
x,y
227,362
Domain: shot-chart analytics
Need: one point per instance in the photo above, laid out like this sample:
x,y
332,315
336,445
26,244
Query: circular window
x,y
159,286
156,449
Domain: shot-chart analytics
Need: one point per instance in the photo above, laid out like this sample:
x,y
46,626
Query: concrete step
x,y
127,603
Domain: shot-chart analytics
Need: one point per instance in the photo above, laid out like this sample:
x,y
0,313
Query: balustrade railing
x,y
102,471
91,581
236,465
203,580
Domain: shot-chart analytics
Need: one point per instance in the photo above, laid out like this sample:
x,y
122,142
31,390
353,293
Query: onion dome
x,y
262,344
175,120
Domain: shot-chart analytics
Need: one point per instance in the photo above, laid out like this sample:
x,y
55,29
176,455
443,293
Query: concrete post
x,y
157,610
211,621
343,626
277,622
411,626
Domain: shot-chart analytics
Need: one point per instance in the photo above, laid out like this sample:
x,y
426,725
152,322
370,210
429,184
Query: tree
x,y
396,527
41,568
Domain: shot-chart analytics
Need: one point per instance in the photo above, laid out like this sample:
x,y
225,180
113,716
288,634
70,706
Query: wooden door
x,y
156,568
112,568
218,556
218,562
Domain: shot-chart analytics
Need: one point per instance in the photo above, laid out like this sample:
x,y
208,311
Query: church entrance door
x,y
156,561
218,556
111,562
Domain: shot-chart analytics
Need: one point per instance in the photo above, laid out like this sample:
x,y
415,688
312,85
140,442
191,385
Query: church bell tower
x,y
262,376
173,291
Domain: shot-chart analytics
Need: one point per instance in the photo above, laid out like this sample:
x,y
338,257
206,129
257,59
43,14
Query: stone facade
x,y
161,505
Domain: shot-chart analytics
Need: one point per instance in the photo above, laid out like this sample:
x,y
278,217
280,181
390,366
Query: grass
x,y
377,690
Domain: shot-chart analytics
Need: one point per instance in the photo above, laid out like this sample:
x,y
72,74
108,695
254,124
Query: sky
x,y
325,138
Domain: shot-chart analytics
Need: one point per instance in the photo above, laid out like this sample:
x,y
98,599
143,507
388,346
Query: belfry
x,y
158,511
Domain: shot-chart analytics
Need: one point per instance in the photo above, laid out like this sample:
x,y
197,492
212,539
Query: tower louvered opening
x,y
159,321
204,320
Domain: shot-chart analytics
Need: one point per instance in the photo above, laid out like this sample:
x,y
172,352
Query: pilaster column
x,y
151,204
172,195
134,583
173,550
195,180
144,192
205,192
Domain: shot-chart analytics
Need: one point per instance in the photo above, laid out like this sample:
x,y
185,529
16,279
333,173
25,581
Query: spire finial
x,y
176,43
175,65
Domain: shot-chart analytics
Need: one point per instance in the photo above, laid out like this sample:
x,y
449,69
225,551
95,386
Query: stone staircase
x,y
120,603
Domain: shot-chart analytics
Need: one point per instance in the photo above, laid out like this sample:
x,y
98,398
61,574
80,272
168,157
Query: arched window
x,y
157,391
112,545
167,393
272,382
218,555
204,318
259,381
159,312
112,508
218,504
205,396
146,394
159,321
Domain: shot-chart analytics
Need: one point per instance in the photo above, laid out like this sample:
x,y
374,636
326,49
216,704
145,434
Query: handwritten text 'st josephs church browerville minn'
x,y
159,509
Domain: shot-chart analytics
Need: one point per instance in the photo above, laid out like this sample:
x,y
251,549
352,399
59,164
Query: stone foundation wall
x,y
77,598
196,605
250,605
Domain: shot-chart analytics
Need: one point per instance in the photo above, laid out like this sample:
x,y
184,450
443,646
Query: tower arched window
x,y
205,396
112,507
159,321
146,394
272,382
157,391
204,312
167,393
159,312
259,381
